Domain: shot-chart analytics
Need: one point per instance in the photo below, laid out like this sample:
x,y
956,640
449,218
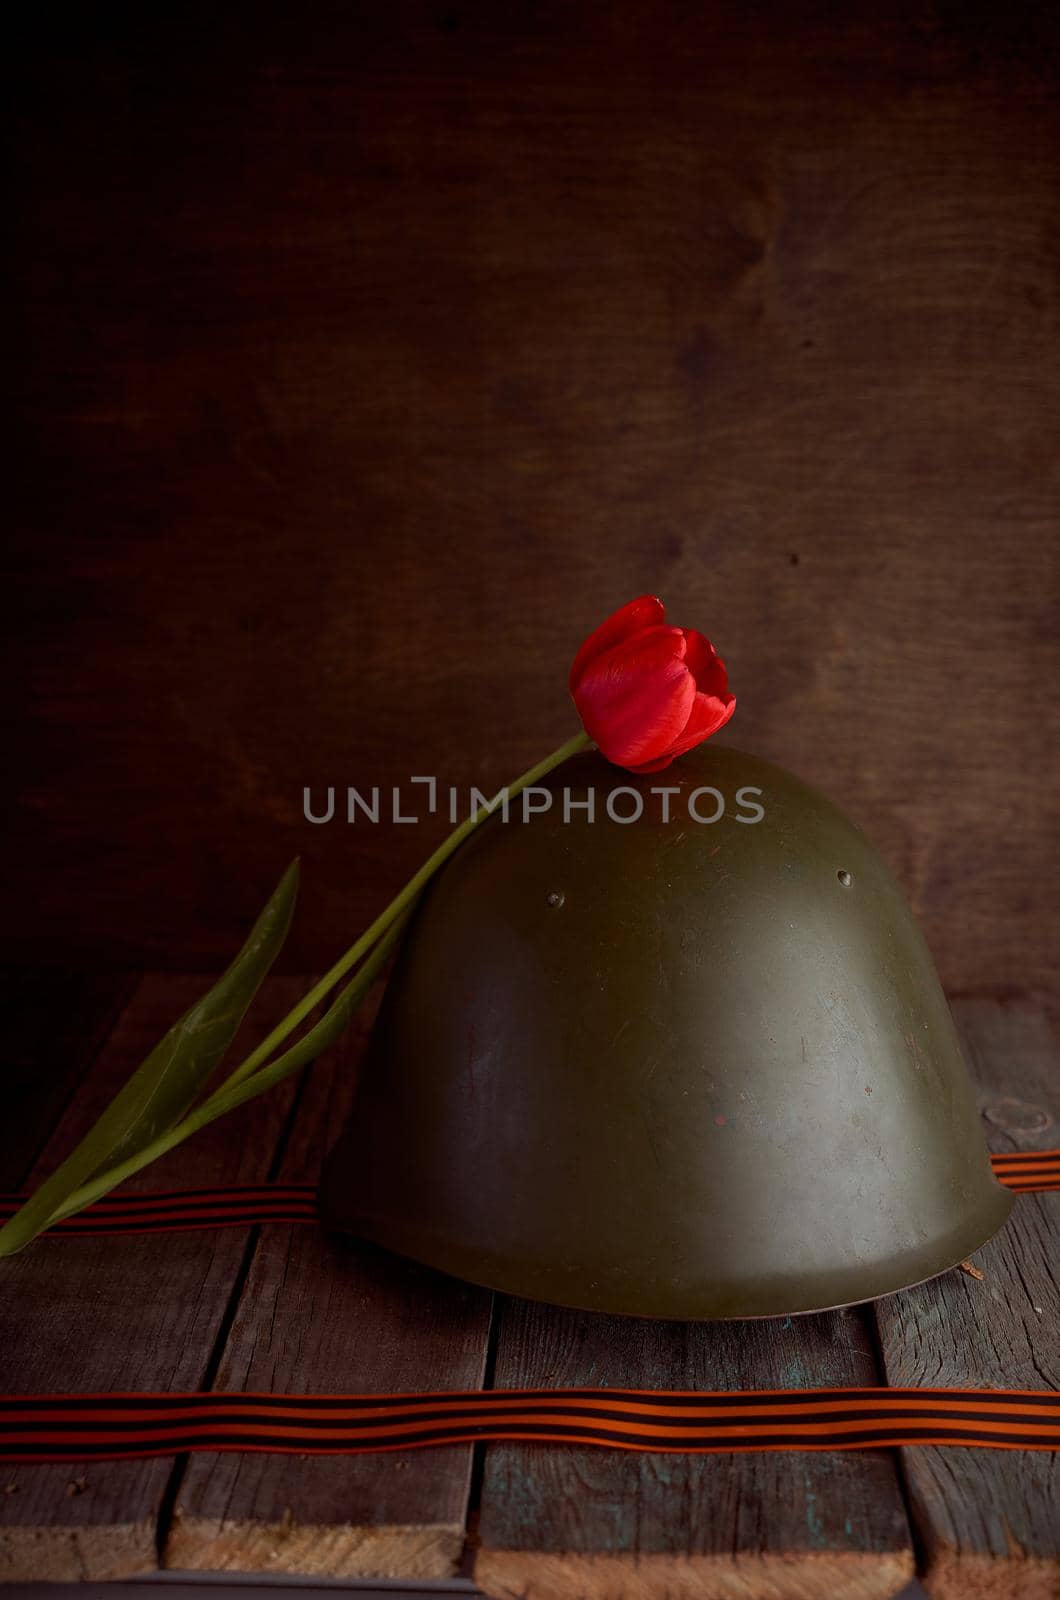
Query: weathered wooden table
x,y
287,1308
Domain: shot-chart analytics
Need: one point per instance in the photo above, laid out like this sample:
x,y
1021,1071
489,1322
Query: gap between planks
x,y
123,1313
988,1522
596,1523
326,1314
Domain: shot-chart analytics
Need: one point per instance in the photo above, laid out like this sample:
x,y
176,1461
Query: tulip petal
x,y
709,713
713,704
625,623
704,663
636,698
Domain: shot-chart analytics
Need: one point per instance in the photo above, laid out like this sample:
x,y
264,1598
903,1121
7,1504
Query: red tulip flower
x,y
647,692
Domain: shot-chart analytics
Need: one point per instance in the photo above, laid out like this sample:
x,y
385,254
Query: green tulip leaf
x,y
237,1092
165,1086
321,1035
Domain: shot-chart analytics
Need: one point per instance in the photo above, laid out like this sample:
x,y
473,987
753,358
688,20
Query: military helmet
x,y
693,1063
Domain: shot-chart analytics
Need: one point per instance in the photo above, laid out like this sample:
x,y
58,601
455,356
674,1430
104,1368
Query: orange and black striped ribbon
x,y
1028,1170
244,1205
178,1210
108,1427
91,1427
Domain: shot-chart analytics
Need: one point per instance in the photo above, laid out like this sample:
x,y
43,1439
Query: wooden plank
x,y
324,1314
747,304
123,1313
989,1522
593,1523
55,1022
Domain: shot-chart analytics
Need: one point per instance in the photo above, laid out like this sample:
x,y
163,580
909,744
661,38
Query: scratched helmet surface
x,y
679,1068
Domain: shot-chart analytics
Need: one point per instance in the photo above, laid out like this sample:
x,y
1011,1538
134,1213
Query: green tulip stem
x,y
400,903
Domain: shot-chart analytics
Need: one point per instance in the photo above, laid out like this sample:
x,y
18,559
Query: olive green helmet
x,y
674,1068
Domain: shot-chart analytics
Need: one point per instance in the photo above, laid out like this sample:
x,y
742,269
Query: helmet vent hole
x,y
556,897
845,879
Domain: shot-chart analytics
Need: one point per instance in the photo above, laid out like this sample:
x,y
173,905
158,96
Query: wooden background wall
x,y
369,354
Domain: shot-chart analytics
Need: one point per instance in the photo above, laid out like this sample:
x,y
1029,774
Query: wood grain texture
x,y
55,1022
123,1312
363,365
321,1314
594,1523
989,1522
